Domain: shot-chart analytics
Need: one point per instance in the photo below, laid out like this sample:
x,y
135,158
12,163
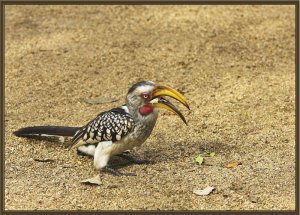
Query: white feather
x,y
145,89
125,108
89,149
102,154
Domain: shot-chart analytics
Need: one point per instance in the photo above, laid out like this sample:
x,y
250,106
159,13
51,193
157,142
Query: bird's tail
x,y
46,131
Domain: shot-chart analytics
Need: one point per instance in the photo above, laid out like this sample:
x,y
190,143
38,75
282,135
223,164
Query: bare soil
x,y
235,64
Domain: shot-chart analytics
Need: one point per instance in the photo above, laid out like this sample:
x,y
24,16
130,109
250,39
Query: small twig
x,y
43,160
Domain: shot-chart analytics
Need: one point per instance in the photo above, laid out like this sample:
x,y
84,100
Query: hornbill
x,y
120,129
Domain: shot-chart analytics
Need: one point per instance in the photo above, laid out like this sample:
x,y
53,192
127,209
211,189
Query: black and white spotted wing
x,y
107,126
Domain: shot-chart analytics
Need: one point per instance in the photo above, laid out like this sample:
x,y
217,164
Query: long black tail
x,y
46,130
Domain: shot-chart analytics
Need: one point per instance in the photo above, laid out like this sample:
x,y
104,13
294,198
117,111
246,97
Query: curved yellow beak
x,y
165,104
159,102
168,91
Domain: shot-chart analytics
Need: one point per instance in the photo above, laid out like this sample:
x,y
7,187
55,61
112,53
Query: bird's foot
x,y
134,160
116,172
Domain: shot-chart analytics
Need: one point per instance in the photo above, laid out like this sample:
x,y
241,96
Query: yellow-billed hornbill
x,y
119,129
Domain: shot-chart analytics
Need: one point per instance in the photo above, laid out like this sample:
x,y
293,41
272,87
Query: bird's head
x,y
146,96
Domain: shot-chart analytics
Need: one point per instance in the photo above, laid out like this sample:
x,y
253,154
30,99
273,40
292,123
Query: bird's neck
x,y
144,124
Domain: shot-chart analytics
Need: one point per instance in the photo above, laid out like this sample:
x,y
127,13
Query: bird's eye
x,y
145,96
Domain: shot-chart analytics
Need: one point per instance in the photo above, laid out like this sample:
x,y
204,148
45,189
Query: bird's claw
x,y
134,160
146,161
117,172
128,174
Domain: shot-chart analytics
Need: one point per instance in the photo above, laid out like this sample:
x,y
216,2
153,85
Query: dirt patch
x,y
235,64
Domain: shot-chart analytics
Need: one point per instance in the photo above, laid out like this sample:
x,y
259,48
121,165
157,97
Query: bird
x,y
114,132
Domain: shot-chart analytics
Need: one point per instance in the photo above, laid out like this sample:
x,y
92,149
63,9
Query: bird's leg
x,y
134,160
116,172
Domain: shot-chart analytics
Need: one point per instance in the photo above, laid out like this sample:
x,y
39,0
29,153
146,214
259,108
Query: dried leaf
x,y
93,181
100,100
199,159
233,164
212,154
203,192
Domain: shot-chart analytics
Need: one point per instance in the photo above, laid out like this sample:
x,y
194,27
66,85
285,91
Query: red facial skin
x,y
146,109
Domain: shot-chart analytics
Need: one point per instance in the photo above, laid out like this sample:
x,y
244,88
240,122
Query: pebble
x,y
253,199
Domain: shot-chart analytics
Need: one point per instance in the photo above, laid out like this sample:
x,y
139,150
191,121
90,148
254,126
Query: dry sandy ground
x,y
235,64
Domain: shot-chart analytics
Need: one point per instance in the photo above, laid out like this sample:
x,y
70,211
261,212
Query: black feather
x,y
106,126
47,130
